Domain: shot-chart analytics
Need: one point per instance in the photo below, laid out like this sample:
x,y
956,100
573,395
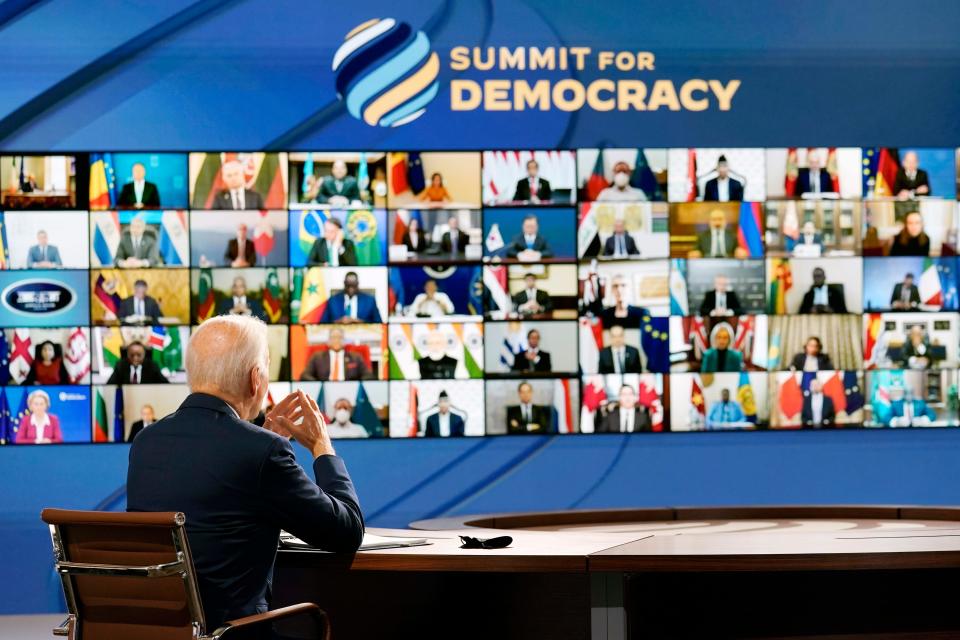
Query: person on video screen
x,y
139,308
43,255
351,305
240,250
335,363
332,249
137,367
139,193
235,196
444,423
533,188
39,426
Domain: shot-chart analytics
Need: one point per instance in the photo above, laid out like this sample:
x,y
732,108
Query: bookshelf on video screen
x,y
499,292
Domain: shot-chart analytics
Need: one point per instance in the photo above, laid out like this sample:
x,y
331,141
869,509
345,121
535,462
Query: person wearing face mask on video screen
x,y
621,191
342,427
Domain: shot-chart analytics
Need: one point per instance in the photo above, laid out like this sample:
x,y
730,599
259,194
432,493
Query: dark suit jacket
x,y
422,242
445,368
540,416
909,351
804,184
823,362
522,193
319,255
35,254
711,190
150,308
249,252
631,358
348,189
520,363
710,301
149,373
609,248
631,321
834,300
462,240
136,428
518,244
827,413
238,485
610,423
251,200
318,367
149,248
432,429
255,307
901,182
898,293
366,308
705,242
543,299
150,197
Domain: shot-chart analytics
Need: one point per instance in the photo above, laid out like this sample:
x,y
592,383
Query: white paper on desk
x,y
370,542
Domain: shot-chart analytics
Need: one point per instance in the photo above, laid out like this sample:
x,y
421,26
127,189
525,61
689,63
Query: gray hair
x,y
222,352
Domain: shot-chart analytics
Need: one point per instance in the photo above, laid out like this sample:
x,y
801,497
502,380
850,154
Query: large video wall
x,y
445,294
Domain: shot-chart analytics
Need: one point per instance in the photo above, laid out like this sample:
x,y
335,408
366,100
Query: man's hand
x,y
288,408
310,430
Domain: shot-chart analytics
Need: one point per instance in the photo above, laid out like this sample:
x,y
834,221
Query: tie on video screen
x,y
454,294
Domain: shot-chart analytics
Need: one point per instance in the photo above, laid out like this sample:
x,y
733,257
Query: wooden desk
x,y
763,572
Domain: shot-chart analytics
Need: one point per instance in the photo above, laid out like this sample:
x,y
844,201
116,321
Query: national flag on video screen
x,y
362,227
206,302
313,299
692,188
272,296
106,237
833,389
590,341
649,397
307,173
495,284
263,239
746,398
791,173
6,430
21,355
594,395
396,294
363,176
269,181
118,423
853,391
364,413
653,341
311,228
780,284
101,426
76,358
872,334
679,305
562,406
475,298
698,404
4,246
588,236
494,242
887,166
470,336
103,182
833,169
4,359
596,182
398,172
748,234
791,398
208,182
929,287
644,179
415,176
174,243
404,354
413,412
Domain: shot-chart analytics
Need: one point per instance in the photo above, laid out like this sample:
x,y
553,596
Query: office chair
x,y
131,575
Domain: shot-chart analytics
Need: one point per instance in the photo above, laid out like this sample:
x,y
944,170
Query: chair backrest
x,y
126,575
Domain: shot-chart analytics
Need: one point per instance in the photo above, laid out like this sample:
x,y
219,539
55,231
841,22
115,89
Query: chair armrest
x,y
66,628
235,628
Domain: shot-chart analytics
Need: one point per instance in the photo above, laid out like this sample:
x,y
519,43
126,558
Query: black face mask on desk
x,y
489,543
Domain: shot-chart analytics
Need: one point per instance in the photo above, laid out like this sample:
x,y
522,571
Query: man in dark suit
x,y
239,303
236,196
136,368
822,297
338,189
905,294
818,410
453,240
619,357
814,178
43,255
621,244
138,246
444,423
529,245
718,241
139,308
719,301
911,180
527,417
335,363
533,188
332,249
813,358
240,251
627,417
147,418
138,193
531,301
723,188
350,305
437,364
239,484
533,359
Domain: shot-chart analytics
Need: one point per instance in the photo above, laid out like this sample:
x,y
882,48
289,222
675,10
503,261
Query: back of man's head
x,y
223,352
